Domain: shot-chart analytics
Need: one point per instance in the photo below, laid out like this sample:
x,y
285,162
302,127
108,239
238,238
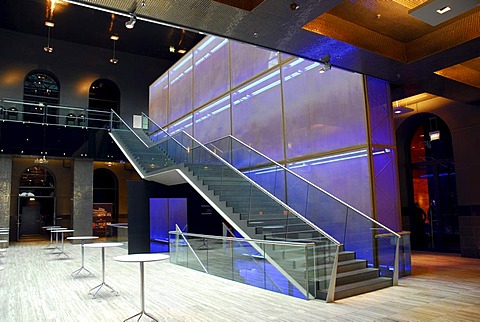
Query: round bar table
x,y
50,228
62,231
102,246
142,258
82,239
2,267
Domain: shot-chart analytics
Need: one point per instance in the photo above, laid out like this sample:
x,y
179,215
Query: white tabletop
x,y
56,228
99,245
63,231
46,227
82,237
147,257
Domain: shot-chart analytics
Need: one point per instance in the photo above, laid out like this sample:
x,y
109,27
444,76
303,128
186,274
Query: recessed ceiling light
x,y
443,10
114,37
172,49
181,51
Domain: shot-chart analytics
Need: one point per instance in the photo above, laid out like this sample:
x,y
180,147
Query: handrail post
x,y
333,278
395,265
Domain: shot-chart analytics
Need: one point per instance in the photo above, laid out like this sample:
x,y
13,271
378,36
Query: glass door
x,y
434,219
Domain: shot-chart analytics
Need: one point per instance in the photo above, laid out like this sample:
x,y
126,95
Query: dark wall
x,y
77,67
201,218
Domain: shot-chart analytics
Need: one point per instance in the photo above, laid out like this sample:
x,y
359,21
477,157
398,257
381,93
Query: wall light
x,y
325,60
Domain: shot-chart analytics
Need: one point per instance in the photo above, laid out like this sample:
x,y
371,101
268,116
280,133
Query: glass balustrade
x,y
268,217
355,230
14,110
245,261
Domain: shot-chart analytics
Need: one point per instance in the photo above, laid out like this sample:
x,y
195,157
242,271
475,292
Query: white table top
x,y
82,237
148,257
63,231
46,227
99,245
56,228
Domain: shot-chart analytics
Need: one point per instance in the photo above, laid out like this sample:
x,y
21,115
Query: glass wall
x,y
316,123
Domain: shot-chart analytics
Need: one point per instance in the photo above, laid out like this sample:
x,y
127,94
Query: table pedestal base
x,y
140,314
75,273
98,287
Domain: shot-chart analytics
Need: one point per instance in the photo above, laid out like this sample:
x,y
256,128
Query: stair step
x,y
350,265
361,287
356,276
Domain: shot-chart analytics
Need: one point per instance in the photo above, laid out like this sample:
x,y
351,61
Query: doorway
x,y
36,203
431,185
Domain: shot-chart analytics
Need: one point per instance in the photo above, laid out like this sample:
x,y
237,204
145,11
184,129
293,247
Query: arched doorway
x,y
36,202
40,87
430,183
105,200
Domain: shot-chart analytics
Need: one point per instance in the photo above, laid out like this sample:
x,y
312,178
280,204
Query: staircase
x,y
254,212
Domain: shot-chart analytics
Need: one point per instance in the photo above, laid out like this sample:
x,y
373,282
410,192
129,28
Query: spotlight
x,y
131,23
294,6
325,60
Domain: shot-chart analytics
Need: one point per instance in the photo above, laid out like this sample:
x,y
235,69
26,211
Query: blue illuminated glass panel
x,y
211,77
257,115
381,117
180,95
344,175
323,112
213,121
184,124
165,213
158,100
248,61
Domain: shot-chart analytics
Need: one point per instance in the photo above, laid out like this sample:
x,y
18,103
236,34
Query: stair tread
x,y
368,282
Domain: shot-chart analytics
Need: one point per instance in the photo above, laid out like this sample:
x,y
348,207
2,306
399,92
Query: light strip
x,y
241,90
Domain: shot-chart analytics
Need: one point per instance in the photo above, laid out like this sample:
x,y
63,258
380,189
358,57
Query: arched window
x,y
40,87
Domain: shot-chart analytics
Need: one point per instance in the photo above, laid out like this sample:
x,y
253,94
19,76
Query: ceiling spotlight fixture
x,y
48,48
131,23
294,6
114,60
143,3
443,10
325,60
171,49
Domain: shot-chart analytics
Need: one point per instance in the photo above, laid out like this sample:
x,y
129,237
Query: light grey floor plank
x,y
35,286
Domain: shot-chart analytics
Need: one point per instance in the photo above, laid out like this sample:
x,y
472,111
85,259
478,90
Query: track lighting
x,y
325,60
131,23
294,6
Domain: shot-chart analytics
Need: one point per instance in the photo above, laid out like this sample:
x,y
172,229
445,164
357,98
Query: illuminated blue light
x,y
181,63
261,80
263,89
205,44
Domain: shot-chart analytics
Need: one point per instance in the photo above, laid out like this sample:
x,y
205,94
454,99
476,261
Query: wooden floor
x,y
34,286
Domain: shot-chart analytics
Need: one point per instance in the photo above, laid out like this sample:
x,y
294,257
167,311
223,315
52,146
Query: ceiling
x,y
374,37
